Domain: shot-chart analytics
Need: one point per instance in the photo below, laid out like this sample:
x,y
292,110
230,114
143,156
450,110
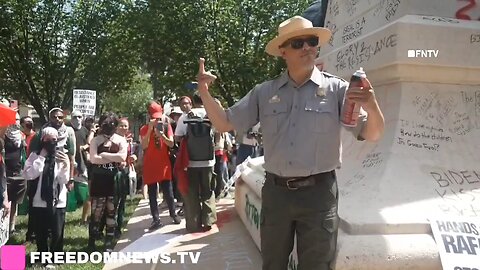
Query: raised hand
x,y
204,78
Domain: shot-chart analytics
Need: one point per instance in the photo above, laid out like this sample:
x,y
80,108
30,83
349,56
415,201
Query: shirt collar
x,y
317,77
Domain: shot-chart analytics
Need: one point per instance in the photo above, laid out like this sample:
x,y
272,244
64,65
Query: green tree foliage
x,y
43,44
230,34
49,47
132,102
238,31
170,36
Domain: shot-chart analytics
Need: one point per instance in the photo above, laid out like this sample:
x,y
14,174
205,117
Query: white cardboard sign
x,y
458,242
85,101
4,228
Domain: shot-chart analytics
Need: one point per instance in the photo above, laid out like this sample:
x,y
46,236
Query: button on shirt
x,y
300,124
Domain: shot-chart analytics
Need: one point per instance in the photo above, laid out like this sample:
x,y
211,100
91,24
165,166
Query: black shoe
x,y
155,225
176,220
206,228
180,212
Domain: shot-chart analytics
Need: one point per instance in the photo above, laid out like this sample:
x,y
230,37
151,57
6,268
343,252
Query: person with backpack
x,y
156,137
194,130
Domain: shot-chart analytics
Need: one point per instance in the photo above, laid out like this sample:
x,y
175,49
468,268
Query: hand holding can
x,y
351,109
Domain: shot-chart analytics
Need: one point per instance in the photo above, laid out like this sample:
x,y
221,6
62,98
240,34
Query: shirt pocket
x,y
273,115
321,115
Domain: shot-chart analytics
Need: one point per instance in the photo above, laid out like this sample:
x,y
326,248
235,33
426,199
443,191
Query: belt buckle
x,y
288,183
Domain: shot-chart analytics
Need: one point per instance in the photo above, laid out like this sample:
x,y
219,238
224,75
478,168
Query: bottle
x,y
350,108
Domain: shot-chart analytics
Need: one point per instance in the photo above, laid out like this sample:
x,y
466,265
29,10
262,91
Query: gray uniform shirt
x,y
301,125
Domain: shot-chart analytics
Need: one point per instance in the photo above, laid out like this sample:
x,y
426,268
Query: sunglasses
x,y
57,117
297,43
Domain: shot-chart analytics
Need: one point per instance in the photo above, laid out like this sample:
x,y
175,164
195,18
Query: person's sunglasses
x,y
57,117
297,43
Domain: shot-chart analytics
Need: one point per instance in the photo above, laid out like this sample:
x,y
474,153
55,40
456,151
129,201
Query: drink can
x,y
351,110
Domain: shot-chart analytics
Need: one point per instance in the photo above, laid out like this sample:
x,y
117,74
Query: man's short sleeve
x,y
181,129
245,113
362,118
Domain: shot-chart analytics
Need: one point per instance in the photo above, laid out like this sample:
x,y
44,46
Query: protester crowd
x,y
44,166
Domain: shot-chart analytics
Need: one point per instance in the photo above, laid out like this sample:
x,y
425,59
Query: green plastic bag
x,y
81,192
23,207
71,201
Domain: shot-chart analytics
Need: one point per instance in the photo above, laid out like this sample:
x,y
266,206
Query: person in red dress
x,y
156,137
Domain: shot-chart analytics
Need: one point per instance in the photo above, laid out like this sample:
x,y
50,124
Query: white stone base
x,y
383,53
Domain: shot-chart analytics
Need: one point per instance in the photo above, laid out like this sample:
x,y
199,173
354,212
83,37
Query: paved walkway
x,y
227,246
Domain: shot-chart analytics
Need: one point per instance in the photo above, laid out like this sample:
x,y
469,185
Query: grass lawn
x,y
75,236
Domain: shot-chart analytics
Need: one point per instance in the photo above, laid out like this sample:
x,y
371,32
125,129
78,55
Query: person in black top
x,y
107,151
15,152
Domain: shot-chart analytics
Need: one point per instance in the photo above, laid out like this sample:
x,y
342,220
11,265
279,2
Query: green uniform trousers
x,y
310,213
199,203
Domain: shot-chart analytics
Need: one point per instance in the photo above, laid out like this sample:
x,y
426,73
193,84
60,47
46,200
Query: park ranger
x,y
300,116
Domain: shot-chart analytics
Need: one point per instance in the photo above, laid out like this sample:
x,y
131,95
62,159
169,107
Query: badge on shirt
x,y
321,92
274,99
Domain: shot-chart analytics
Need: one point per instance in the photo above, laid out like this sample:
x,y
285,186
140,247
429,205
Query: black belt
x,y
294,183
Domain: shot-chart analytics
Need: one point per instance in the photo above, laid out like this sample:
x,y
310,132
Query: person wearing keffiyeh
x,y
49,171
66,139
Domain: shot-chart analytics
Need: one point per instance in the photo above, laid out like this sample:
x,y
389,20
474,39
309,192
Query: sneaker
x,y
155,225
180,212
176,220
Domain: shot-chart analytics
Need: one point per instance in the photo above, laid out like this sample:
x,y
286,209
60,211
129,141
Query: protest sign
x,y
458,242
4,226
84,101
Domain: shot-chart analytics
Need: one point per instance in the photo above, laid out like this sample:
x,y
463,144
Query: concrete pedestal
x,y
352,19
384,53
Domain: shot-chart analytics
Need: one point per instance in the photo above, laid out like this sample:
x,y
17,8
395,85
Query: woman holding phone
x,y
156,137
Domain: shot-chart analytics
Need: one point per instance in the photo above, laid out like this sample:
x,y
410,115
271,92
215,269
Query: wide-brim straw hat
x,y
295,27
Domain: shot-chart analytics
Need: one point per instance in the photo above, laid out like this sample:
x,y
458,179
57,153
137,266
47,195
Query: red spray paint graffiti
x,y
462,13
